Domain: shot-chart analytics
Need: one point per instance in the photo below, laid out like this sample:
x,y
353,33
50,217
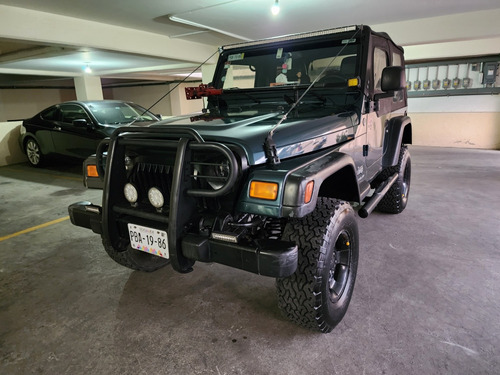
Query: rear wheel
x,y
33,152
317,295
396,199
135,259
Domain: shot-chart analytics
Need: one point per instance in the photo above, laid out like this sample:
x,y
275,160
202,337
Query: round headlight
x,y
130,193
217,175
156,197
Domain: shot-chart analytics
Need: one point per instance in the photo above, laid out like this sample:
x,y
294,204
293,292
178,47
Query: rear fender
x,y
398,132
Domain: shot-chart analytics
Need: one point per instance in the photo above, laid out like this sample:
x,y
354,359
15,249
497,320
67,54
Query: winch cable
x,y
294,105
177,85
270,149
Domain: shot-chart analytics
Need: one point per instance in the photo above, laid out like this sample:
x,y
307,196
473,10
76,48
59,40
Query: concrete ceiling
x,y
207,22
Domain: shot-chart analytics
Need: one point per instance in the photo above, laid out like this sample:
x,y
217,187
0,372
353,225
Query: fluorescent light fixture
x,y
275,9
194,75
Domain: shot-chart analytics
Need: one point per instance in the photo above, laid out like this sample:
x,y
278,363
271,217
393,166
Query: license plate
x,y
149,240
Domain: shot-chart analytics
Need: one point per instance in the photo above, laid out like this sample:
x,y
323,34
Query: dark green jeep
x,y
294,130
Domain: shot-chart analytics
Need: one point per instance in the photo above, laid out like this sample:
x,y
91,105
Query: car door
x,y
74,140
377,120
42,126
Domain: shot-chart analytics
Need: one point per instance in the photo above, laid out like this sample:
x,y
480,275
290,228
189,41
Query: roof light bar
x,y
291,37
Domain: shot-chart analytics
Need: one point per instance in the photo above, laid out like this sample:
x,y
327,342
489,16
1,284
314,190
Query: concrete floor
x,y
426,301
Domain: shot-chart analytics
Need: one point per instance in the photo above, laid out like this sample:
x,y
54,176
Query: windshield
x,y
120,113
292,64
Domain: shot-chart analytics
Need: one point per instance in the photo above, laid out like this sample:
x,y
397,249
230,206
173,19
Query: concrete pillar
x,y
88,87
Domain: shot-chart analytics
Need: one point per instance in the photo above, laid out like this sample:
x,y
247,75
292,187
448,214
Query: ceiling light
x,y
87,69
275,9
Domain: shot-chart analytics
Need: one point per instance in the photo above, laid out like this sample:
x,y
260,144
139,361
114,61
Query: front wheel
x,y
317,295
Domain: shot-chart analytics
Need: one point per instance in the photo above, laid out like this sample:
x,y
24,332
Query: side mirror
x,y
80,123
393,78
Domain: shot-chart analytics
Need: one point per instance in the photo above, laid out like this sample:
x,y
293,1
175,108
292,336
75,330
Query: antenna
x,y
269,145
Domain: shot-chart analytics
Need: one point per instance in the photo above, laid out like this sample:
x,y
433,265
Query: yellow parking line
x,y
33,228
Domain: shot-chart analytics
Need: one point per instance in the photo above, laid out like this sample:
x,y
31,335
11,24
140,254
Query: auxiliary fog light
x,y
156,197
130,193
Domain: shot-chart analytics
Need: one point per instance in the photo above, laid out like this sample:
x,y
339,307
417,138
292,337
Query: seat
x,y
348,66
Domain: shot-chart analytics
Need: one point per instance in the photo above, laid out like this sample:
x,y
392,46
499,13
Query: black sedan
x,y
75,128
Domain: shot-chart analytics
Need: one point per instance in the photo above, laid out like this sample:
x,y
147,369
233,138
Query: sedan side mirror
x,y
81,123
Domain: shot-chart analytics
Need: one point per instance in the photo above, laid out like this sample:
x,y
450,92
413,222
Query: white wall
x,y
16,104
10,151
466,34
144,96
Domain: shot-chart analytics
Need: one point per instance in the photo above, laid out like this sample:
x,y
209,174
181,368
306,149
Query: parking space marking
x,y
34,228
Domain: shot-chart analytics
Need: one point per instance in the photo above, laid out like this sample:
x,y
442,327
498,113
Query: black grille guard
x,y
181,207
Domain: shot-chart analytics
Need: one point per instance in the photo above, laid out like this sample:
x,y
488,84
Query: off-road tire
x,y
317,295
396,199
135,259
33,152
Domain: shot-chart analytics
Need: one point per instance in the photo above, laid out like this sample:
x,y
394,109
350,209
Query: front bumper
x,y
274,258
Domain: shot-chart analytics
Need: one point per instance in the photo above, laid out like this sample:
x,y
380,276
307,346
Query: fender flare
x,y
334,176
397,132
333,173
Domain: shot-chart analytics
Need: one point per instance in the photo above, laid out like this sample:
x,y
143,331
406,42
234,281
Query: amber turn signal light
x,y
309,192
92,170
264,190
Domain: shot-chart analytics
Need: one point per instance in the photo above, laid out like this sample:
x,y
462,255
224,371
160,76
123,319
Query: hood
x,y
108,129
295,136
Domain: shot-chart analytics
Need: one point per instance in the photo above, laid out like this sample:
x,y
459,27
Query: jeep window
x,y
296,64
379,63
240,76
397,61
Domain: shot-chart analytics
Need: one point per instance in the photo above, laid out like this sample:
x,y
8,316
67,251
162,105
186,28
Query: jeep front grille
x,y
209,170
147,175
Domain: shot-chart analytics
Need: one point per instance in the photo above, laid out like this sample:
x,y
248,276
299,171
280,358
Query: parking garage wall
x,y
19,104
471,121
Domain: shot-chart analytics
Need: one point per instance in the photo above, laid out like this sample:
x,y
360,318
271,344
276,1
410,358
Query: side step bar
x,y
377,196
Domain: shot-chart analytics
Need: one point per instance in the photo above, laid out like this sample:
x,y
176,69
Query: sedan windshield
x,y
120,113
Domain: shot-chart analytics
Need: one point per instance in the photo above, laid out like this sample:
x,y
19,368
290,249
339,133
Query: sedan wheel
x,y
33,152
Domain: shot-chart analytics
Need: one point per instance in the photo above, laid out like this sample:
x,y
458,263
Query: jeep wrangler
x,y
294,133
